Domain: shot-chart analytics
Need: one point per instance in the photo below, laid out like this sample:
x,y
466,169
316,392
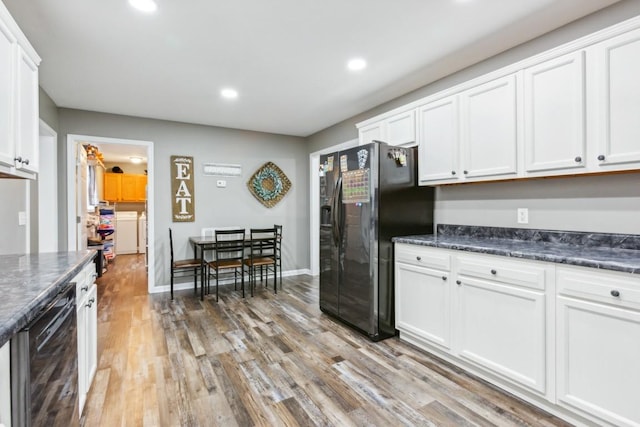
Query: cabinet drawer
x,y
84,279
423,256
599,286
520,273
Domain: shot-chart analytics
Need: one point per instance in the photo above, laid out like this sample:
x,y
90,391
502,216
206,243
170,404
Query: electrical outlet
x,y
22,218
523,216
221,183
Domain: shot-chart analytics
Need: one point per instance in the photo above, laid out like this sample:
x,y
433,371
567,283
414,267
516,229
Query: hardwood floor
x,y
270,360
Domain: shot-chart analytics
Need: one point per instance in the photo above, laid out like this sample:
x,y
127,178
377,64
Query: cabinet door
x,y
129,191
554,115
502,328
7,62
401,129
423,303
489,130
112,185
598,352
92,334
27,134
141,187
373,132
618,104
82,352
438,141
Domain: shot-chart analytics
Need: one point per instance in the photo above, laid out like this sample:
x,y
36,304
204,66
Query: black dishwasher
x,y
44,366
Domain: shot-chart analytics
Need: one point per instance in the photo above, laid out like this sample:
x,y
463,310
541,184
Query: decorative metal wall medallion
x,y
269,184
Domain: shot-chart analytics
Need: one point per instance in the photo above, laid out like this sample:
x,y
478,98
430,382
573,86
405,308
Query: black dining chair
x,y
186,267
262,254
279,251
228,255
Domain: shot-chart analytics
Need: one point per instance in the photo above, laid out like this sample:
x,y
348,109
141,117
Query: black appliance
x,y
368,194
44,366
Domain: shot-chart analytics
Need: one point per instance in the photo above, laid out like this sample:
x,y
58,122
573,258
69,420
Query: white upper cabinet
x,y
438,136
489,129
571,110
399,129
370,133
554,116
7,85
27,113
617,67
18,101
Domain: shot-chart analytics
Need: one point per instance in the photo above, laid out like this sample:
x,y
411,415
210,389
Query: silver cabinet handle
x,y
615,293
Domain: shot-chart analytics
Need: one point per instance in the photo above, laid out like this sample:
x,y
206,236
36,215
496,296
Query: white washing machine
x,y
126,232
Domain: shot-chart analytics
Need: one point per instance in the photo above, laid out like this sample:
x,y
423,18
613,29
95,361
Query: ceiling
x,y
286,58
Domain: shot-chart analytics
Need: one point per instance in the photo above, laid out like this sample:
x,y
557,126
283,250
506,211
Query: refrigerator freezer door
x,y
329,255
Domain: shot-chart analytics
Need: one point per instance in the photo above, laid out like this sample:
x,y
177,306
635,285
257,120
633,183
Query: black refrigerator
x,y
368,194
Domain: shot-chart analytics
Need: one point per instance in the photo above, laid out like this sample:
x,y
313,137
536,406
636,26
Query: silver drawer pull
x,y
418,258
444,277
494,272
615,293
458,282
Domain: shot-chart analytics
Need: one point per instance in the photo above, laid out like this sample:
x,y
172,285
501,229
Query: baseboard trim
x,y
179,286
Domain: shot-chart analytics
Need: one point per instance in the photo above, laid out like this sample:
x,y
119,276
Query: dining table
x,y
202,244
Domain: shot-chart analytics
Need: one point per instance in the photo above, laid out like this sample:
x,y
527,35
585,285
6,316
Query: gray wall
x,y
233,205
48,110
13,239
602,203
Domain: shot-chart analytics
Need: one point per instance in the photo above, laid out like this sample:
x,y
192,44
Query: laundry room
x,y
117,195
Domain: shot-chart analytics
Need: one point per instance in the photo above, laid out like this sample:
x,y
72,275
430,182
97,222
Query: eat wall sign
x,y
182,194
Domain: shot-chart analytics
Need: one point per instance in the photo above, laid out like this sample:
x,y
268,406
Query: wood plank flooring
x,y
270,360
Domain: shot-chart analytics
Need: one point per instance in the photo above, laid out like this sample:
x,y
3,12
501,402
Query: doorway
x,y
73,141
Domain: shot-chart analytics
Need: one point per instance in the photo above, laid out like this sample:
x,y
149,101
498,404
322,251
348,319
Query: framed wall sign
x,y
182,194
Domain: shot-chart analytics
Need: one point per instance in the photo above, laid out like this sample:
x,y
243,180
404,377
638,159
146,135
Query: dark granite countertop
x,y
616,252
29,282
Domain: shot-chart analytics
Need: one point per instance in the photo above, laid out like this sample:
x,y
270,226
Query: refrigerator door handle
x,y
336,214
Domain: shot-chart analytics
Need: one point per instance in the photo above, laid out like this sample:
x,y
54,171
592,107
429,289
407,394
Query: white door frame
x,y
72,140
48,190
314,191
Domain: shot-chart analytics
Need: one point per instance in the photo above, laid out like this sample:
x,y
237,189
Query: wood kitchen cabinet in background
x,y
123,187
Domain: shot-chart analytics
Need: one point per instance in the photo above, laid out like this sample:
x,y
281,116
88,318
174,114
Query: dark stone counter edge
x,y
494,249
29,312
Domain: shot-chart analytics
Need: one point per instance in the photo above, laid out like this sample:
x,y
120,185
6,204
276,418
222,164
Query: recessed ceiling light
x,y
144,5
229,93
357,64
135,159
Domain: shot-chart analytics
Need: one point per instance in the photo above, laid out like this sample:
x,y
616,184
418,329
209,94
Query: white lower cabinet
x,y
564,338
502,328
599,345
87,312
5,385
423,300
